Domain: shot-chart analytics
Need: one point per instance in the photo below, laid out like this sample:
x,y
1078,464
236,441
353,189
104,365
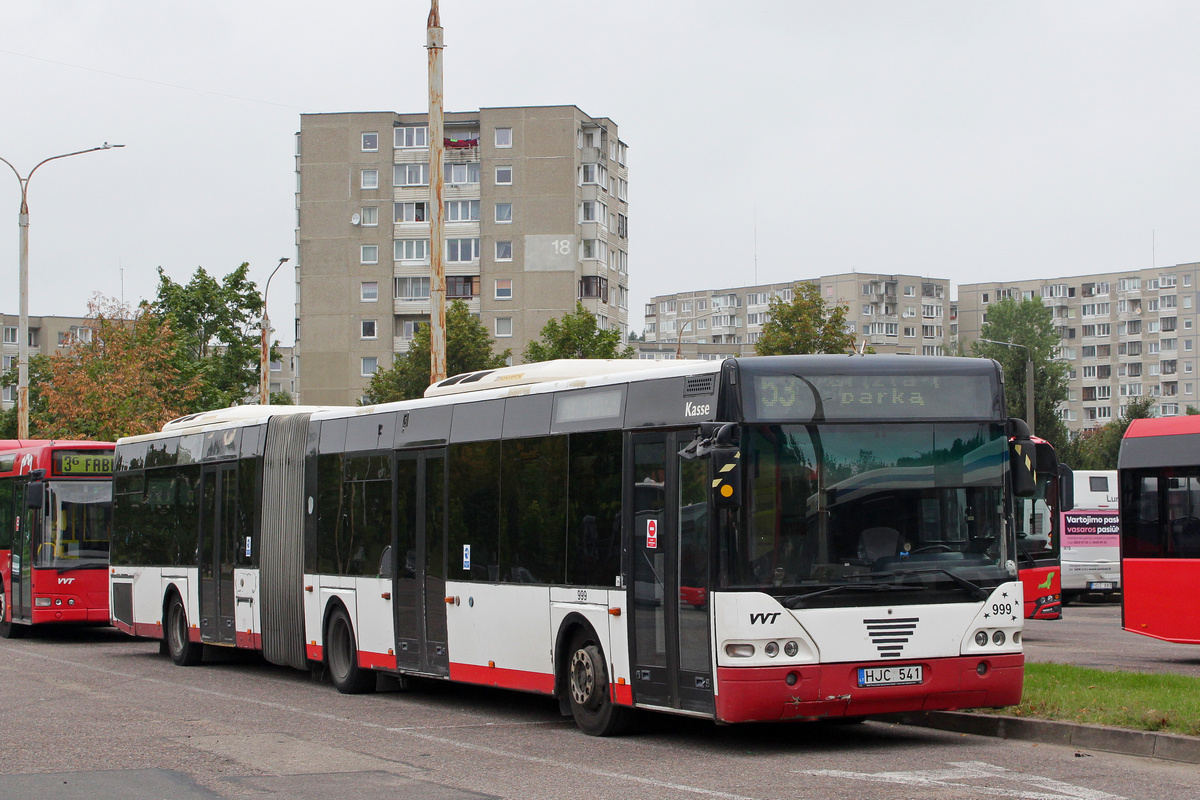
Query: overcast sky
x,y
768,141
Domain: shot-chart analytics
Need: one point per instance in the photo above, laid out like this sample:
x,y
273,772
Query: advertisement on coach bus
x,y
1091,537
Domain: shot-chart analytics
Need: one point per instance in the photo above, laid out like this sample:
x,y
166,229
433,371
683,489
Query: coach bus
x,y
55,508
1038,534
1091,541
793,537
1159,478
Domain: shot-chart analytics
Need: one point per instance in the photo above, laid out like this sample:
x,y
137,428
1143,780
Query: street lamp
x,y
264,396
23,281
1028,377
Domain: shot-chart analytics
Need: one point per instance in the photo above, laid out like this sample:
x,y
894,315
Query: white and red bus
x,y
55,510
1159,476
1091,541
794,537
1038,534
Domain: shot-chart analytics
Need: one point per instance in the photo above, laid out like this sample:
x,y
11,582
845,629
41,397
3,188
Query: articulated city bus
x,y
1038,534
793,537
1159,477
55,507
1091,541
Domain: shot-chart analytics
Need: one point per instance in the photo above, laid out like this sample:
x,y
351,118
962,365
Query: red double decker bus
x,y
55,516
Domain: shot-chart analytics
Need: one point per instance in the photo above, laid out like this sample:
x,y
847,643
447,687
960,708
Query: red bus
x,y
55,516
1159,480
1038,521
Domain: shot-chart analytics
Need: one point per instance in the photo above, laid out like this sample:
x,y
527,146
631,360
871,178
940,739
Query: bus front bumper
x,y
762,694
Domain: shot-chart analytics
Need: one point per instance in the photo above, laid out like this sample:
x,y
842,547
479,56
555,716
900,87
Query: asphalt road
x,y
96,715
1090,635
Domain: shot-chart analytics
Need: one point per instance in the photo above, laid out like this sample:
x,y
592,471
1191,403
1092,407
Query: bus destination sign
x,y
815,397
77,464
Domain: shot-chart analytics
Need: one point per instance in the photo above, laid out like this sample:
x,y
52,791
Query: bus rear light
x,y
41,602
739,650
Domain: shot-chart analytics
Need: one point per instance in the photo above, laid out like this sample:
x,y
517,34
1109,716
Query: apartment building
x,y
891,313
1125,335
537,218
46,335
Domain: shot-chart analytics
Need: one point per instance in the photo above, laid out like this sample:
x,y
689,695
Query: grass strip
x,y
1135,700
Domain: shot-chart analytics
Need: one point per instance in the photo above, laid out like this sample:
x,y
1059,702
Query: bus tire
x,y
183,651
8,630
587,689
341,656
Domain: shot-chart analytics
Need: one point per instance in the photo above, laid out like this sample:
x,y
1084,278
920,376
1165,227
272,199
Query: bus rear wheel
x,y
588,691
183,651
341,656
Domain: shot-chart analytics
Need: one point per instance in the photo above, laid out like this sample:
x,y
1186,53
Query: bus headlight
x,y
772,649
739,650
41,602
981,638
998,638
791,648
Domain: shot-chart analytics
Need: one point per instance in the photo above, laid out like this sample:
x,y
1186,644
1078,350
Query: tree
x,y
805,325
215,324
468,349
1028,323
576,336
39,375
1099,447
125,381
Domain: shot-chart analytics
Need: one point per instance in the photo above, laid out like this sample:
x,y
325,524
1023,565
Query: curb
x,y
1169,746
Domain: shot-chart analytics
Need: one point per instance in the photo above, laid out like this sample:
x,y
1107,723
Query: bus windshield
x,y
76,534
915,505
1036,539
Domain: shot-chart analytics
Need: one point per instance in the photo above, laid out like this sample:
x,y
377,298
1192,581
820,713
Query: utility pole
x,y
437,223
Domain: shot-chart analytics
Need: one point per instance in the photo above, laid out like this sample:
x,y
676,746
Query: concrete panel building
x,y
537,218
1125,335
891,313
46,336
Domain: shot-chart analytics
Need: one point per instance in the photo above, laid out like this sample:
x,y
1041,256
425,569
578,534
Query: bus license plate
x,y
1100,585
889,676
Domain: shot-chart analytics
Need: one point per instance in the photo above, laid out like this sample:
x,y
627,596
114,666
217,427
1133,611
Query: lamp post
x,y
1028,377
23,287
264,396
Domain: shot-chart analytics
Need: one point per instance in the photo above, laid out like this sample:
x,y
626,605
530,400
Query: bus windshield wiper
x,y
797,600
975,590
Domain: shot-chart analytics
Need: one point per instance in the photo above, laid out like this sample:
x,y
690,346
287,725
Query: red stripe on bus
x,y
368,660
503,678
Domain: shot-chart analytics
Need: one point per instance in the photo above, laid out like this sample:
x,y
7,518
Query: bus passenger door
x,y
24,538
669,570
420,575
218,527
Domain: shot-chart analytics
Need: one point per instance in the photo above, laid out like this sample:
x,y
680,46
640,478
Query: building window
x,y
410,175
369,254
462,173
369,216
410,288
415,136
503,137
460,251
411,250
504,326
462,211
368,329
410,212
370,142
369,365
409,328
504,212
593,211
503,176
622,226
10,334
593,286
594,249
504,290
462,287
504,251
370,179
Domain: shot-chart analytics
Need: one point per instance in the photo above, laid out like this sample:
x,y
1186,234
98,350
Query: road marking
x,y
973,771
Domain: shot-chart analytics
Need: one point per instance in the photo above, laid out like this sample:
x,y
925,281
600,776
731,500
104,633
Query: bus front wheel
x,y
8,630
588,690
180,647
341,656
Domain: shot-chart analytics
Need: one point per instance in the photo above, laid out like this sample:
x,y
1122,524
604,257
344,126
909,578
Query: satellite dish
x,y
354,220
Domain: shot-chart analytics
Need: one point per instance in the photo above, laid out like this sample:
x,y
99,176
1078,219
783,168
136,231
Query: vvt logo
x,y
66,581
766,618
696,410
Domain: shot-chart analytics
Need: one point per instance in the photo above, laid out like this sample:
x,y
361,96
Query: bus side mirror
x,y
1066,488
35,495
1022,463
726,477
